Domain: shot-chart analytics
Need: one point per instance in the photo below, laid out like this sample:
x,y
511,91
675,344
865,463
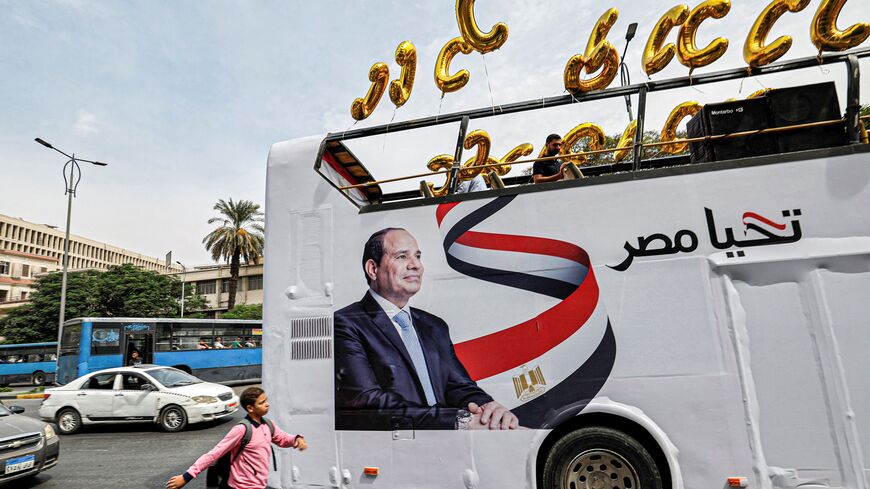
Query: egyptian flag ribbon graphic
x,y
553,268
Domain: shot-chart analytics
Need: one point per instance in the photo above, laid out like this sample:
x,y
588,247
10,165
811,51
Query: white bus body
x,y
740,327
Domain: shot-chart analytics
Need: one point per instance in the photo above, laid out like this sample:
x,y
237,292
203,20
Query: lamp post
x,y
183,280
624,76
71,183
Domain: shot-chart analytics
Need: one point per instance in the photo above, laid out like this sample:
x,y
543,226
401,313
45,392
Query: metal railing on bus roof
x,y
851,119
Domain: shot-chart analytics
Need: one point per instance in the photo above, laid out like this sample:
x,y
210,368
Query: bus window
x,y
72,337
187,336
165,341
106,339
232,333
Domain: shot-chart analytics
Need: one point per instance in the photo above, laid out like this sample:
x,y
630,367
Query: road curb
x,y
22,396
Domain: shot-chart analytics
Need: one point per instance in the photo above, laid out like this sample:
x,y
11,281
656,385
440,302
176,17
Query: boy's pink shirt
x,y
250,469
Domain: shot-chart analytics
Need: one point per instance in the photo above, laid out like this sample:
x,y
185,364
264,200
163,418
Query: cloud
x,y
86,124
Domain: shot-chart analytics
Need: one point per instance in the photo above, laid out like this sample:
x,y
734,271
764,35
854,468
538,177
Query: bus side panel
x,y
223,365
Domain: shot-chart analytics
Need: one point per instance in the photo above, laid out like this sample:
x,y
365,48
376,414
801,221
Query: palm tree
x,y
240,235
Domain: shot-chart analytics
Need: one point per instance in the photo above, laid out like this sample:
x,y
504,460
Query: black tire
x,y
173,418
599,457
38,378
68,420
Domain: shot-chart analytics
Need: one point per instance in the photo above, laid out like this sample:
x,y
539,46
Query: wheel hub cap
x,y
600,469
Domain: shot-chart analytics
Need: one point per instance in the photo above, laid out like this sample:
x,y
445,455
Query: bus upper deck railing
x,y
851,118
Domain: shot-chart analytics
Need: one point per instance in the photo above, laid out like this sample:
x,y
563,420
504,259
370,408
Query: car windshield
x,y
171,377
4,411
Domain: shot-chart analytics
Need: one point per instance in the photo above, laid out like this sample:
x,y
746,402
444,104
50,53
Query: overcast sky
x,y
184,99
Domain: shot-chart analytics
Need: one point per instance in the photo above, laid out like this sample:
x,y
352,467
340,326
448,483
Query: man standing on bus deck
x,y
394,364
551,170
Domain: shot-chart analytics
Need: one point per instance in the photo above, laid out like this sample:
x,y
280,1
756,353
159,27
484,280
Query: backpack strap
x,y
246,438
271,435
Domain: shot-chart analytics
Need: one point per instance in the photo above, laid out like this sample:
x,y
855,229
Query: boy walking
x,y
249,467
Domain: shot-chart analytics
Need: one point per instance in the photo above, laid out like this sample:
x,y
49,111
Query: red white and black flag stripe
x,y
572,341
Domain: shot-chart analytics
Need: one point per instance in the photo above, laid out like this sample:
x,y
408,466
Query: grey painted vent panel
x,y
311,338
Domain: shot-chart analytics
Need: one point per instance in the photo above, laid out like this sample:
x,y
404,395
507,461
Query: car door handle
x,y
81,394
119,395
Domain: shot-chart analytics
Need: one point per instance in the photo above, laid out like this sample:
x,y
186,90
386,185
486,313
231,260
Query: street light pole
x,y
183,280
71,183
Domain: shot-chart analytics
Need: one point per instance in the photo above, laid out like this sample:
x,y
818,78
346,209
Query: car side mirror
x,y
16,409
148,387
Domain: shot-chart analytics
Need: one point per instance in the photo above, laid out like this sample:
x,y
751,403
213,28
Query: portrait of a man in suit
x,y
395,366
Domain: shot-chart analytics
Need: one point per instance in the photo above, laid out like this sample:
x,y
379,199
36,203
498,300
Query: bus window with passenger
x,y
32,363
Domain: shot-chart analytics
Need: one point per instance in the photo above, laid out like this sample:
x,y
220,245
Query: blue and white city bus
x,y
34,363
192,345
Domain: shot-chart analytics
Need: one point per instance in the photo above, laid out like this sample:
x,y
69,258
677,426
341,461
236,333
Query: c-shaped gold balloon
x,y
443,79
599,54
687,51
755,53
481,139
824,32
379,75
669,131
625,141
406,57
589,130
440,162
482,42
656,57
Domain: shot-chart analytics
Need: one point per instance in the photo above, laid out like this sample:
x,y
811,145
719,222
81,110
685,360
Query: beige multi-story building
x,y
212,283
27,249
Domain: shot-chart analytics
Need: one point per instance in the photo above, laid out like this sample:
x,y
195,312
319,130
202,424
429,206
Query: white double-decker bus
x,y
656,324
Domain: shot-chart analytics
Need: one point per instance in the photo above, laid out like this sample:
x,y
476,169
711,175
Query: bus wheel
x,y
68,421
173,418
596,457
38,378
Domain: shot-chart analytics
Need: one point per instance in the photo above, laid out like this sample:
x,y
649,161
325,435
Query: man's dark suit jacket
x,y
376,385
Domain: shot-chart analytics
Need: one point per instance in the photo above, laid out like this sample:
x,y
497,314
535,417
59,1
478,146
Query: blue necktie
x,y
409,337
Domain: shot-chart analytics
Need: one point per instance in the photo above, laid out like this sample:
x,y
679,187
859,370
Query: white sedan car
x,y
144,393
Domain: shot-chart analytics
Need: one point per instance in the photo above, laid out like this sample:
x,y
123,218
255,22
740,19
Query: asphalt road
x,y
121,456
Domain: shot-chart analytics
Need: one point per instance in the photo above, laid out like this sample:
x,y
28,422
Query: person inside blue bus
x,y
237,343
249,342
135,358
219,343
203,345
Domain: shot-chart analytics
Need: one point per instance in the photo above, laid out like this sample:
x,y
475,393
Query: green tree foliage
x,y
121,291
244,311
865,110
240,235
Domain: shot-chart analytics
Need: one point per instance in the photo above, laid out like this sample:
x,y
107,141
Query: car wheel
x,y
173,418
38,378
599,457
68,421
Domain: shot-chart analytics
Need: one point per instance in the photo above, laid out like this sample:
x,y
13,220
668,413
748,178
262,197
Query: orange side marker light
x,y
372,471
738,482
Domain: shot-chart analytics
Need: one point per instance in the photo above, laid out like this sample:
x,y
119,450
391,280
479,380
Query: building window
x,y
24,296
4,268
205,288
255,282
225,286
25,270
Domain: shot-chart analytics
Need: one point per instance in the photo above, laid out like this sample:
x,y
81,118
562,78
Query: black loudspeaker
x,y
803,104
729,118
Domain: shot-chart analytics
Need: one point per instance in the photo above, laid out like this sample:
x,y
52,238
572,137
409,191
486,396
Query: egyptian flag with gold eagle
x,y
547,367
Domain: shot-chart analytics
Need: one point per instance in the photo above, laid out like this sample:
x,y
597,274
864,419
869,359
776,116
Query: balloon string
x,y
486,71
384,148
348,129
439,106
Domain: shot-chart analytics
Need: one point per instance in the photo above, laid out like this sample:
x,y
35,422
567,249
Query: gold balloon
x,y
443,79
441,162
482,42
754,50
379,75
625,141
599,54
589,130
406,57
518,152
481,139
669,132
687,51
656,57
758,93
824,32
